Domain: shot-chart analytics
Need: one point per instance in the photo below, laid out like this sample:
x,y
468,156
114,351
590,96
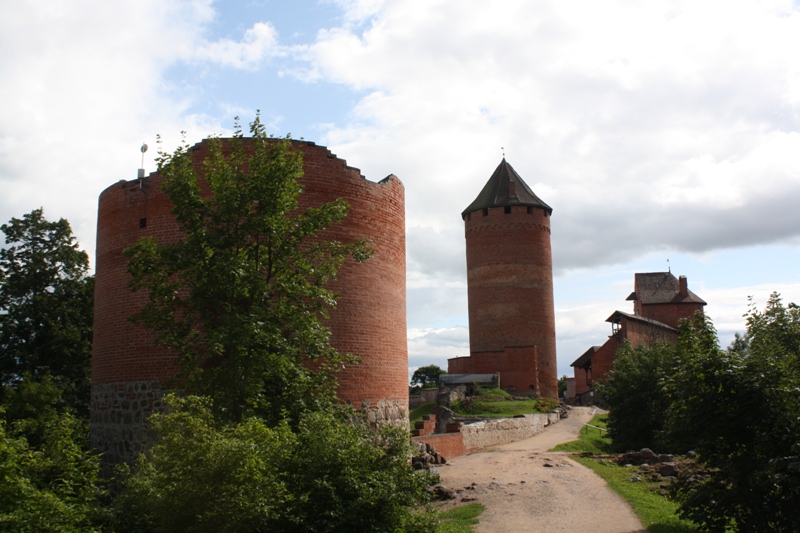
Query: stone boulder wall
x,y
503,430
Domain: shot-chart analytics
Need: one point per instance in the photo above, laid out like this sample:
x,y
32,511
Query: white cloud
x,y
646,125
258,44
85,82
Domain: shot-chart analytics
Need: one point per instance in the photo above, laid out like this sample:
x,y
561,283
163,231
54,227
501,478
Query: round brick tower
x,y
510,286
130,373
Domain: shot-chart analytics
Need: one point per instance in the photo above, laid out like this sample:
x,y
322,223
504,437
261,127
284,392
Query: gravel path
x,y
524,488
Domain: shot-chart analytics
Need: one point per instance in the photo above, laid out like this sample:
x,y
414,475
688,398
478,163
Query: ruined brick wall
x,y
448,445
510,286
129,373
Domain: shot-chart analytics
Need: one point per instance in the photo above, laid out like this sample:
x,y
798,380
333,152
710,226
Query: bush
x,y
740,410
324,475
52,487
635,394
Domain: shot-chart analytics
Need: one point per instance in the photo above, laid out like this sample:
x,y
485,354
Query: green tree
x,y
241,296
636,397
49,479
46,300
562,386
740,410
427,376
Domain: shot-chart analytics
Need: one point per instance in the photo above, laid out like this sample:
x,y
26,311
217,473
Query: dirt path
x,y
526,489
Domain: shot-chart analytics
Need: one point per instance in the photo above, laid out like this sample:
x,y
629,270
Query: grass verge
x,y
459,519
657,512
590,440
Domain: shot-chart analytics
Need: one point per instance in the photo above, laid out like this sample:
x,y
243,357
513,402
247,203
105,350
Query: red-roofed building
x,y
660,301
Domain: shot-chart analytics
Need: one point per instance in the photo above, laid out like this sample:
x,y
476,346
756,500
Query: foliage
x,y
740,410
460,519
327,475
635,394
427,376
589,440
656,511
49,480
241,296
416,414
45,307
562,386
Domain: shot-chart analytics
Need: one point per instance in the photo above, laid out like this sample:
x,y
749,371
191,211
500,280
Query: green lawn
x,y
497,403
657,512
459,519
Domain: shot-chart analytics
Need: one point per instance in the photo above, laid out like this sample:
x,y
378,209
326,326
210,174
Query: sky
x,y
664,133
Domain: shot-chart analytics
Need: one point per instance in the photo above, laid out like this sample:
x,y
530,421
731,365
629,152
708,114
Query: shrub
x,y
323,475
635,394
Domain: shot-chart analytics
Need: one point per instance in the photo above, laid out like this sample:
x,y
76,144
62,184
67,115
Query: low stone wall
x,y
502,430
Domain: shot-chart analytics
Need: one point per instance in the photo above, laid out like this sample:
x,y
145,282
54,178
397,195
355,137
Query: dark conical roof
x,y
498,191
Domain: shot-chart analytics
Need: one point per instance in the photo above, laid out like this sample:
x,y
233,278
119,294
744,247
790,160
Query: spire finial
x,y
504,152
669,268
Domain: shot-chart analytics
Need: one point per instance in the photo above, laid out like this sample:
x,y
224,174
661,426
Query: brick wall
x,y
642,333
669,314
370,319
510,287
517,367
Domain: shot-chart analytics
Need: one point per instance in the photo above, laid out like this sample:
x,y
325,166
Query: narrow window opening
x,y
142,223
486,212
507,210
530,209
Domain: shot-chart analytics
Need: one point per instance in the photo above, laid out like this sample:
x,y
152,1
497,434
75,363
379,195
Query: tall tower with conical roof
x,y
510,286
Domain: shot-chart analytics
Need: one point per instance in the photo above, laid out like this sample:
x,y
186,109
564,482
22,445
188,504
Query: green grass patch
x,y
493,393
495,406
416,414
590,440
657,512
459,519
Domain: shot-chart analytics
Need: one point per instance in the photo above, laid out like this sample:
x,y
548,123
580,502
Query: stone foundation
x,y
385,412
120,431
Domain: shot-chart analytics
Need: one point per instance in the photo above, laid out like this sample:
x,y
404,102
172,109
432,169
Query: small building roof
x,y
586,357
617,317
660,288
499,191
467,378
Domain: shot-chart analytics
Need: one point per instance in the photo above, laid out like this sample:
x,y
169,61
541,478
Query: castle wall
x,y
130,373
510,286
